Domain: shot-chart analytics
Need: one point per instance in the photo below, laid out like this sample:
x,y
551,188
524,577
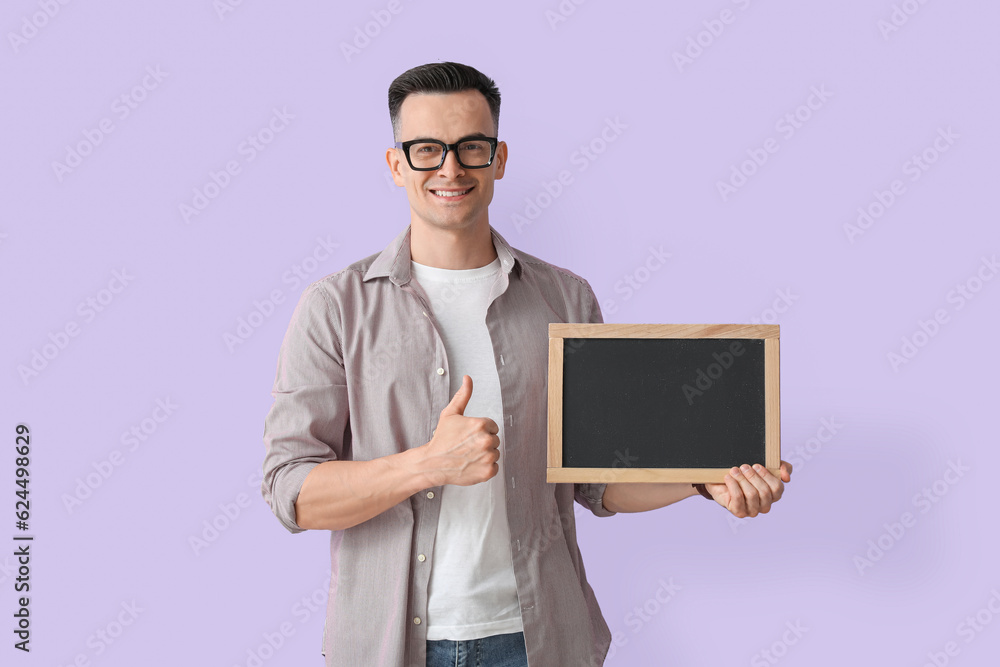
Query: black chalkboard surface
x,y
661,402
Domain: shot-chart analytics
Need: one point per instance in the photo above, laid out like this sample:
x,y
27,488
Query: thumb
x,y
461,398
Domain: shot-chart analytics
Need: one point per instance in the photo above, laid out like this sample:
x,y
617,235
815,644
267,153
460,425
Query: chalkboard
x,y
661,402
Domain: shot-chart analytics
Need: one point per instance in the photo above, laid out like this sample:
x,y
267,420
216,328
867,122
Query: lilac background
x,y
777,243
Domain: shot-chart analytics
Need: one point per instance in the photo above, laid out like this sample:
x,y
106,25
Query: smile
x,y
450,194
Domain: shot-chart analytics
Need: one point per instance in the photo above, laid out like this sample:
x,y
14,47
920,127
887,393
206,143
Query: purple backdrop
x,y
174,174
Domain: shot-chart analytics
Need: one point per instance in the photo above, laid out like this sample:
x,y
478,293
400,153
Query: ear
x,y
500,160
395,166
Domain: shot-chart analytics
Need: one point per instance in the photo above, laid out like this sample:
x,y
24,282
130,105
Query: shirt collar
x,y
394,261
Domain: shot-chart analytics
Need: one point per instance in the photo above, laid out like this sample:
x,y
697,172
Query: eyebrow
x,y
474,135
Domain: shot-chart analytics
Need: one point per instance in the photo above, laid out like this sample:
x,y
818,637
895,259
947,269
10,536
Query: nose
x,y
451,169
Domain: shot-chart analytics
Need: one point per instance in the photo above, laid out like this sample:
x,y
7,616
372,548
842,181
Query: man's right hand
x,y
464,450
337,495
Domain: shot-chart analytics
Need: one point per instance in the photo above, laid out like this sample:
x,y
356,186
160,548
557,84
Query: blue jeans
x,y
496,651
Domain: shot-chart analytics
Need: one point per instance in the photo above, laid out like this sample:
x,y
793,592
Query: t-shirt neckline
x,y
424,272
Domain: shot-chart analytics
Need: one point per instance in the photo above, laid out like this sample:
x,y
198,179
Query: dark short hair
x,y
444,77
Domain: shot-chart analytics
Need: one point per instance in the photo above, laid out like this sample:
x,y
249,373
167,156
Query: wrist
x,y
411,464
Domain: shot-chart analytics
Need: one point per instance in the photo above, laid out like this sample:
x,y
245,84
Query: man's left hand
x,y
750,490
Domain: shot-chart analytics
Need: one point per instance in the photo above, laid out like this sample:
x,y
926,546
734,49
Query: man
x,y
410,419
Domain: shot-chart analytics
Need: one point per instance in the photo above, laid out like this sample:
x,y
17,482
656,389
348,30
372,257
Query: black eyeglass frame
x,y
405,145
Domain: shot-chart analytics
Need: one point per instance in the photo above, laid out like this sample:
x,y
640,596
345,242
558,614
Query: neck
x,y
460,248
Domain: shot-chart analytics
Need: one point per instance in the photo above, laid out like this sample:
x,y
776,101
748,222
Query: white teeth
x,y
442,193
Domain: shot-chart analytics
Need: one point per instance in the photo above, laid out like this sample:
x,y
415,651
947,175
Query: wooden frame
x,y
555,472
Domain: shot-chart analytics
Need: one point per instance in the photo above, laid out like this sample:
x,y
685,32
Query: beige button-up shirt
x,y
363,373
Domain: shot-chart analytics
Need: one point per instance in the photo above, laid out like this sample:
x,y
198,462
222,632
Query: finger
x,y
764,494
750,493
460,399
491,426
737,502
777,488
786,471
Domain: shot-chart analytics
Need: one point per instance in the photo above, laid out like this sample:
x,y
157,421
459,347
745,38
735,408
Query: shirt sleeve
x,y
591,496
306,424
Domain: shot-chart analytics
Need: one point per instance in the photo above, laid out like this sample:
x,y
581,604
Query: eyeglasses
x,y
429,154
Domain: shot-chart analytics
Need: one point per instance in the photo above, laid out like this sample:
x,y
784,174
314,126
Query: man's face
x,y
447,117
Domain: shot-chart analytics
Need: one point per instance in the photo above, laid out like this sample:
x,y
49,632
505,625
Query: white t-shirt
x,y
472,592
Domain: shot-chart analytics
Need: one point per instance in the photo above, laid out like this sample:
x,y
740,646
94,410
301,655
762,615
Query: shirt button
x,y
430,494
440,371
416,620
421,558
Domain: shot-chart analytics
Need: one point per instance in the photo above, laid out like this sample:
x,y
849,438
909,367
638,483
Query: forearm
x,y
635,497
340,494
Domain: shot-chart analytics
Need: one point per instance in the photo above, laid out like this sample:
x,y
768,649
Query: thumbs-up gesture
x,y
463,450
